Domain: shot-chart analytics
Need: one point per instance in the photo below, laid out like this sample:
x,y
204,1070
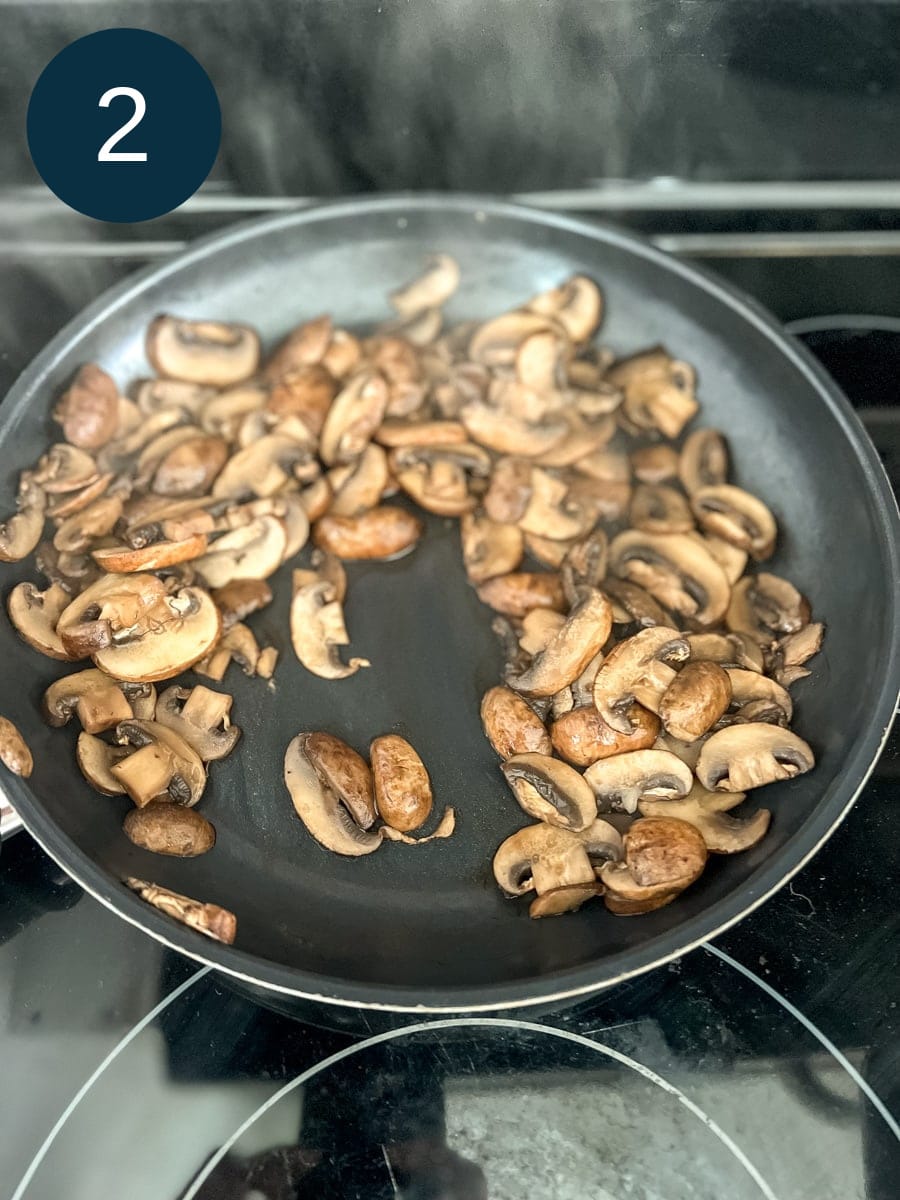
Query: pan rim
x,y
572,982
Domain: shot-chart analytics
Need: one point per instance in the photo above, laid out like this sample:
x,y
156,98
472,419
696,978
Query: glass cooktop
x,y
764,1065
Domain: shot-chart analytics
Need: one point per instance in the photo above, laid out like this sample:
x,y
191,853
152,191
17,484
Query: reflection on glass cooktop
x,y
765,1065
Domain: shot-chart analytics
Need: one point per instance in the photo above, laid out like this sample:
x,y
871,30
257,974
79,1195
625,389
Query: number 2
x,y
106,153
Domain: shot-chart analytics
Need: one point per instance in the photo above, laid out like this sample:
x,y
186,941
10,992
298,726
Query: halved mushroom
x,y
167,639
582,737
437,477
14,753
655,464
576,305
662,857
122,560
511,725
707,812
320,808
161,764
96,520
489,547
353,417
21,533
345,773
109,608
639,669
749,686
704,460
402,788
619,782
676,569
764,606
497,429
165,828
98,701
658,508
96,759
209,919
737,517
201,717
659,391
542,858
385,532
550,790
360,485
431,289
207,352
696,698
727,649
35,615
262,468
571,649
751,755
240,598
318,631
89,408
251,551
496,342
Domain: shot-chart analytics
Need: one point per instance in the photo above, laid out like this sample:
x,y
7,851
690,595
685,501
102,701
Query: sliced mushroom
x,y
639,669
190,467
659,391
571,648
679,572
305,345
223,411
164,828
619,782
542,858
155,394
563,899
548,551
343,354
96,520
237,645
731,559
206,352
431,289
746,756
539,627
394,433
345,773
632,605
305,393
170,638
519,592
209,919
161,764
550,511
35,615
749,686
318,631
603,478
96,759
550,790
498,430
65,468
704,460
65,504
353,417
437,477
657,508
201,717
511,725
402,787
662,857
489,547
707,812
89,409
576,304
737,517
316,498
385,532
123,560
14,753
764,606
21,533
727,649
509,492
695,699
267,661
319,807
582,737
496,342
107,609
241,598
263,468
795,649
99,702
359,486
253,551
655,464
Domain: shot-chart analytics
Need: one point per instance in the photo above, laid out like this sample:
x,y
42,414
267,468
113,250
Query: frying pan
x,y
425,928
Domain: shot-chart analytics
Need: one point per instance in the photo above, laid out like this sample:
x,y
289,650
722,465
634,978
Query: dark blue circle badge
x,y
124,125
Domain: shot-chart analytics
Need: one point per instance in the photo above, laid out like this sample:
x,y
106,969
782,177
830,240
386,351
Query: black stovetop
x,y
766,1064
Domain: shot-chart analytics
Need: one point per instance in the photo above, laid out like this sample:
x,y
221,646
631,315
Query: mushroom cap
x,y
346,773
174,635
385,532
708,813
570,649
541,857
319,808
582,737
751,755
35,614
511,725
402,788
550,790
696,698
489,547
14,753
165,828
619,782
123,560
663,856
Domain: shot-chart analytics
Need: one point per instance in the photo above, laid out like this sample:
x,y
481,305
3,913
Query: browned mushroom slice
x,y
727,649
746,756
632,605
497,429
89,408
240,598
695,699
353,417
171,637
252,551
539,627
223,412
431,289
731,559
65,504
305,345
98,519
21,533
582,737
360,485
563,899
662,857
420,330
550,790
764,606
394,433
620,781
583,439
161,764
263,468
750,686
64,468
548,551
402,787
123,560
708,813
155,394
237,645
704,460
659,391
385,532
657,508
489,548
95,758
107,609
542,858
267,661
679,572
605,479
510,490
207,352
519,592
570,650
346,773
511,725
35,614
320,808
191,466
655,464
14,753
638,669
437,477
209,919
201,717
496,342
737,517
318,631
576,305
165,828
551,512
98,701
795,649
540,361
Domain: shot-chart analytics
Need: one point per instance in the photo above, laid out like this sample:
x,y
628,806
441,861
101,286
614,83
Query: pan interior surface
x,y
426,924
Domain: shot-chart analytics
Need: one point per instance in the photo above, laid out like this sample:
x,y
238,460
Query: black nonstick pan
x,y
425,927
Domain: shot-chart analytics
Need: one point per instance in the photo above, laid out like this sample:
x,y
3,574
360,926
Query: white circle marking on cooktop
x,y
481,1023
